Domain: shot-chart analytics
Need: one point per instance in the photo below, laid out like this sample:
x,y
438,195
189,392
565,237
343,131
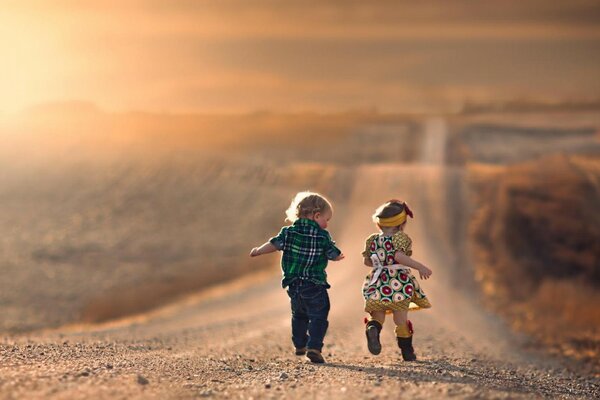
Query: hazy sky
x,y
240,55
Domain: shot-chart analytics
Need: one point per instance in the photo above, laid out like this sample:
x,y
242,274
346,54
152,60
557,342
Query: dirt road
x,y
233,341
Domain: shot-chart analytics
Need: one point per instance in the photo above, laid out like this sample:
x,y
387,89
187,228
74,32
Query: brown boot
x,y
315,356
406,347
372,331
404,335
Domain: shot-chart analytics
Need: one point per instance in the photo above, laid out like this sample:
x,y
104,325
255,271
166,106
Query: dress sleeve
x,y
402,242
279,240
366,253
331,250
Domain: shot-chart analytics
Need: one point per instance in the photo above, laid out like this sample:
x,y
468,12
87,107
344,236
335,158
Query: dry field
x,y
535,194
106,215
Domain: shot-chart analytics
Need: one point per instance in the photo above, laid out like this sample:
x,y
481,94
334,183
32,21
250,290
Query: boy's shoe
x,y
300,351
372,331
315,356
408,352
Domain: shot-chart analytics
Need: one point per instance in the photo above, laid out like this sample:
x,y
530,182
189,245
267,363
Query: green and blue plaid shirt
x,y
306,250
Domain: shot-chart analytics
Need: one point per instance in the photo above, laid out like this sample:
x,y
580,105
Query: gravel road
x,y
234,340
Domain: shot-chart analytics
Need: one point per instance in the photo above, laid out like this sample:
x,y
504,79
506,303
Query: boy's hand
x,y
424,272
254,252
338,258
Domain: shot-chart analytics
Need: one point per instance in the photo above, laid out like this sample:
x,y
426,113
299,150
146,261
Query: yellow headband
x,y
396,220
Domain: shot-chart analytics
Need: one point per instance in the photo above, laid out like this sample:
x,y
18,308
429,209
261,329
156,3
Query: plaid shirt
x,y
306,250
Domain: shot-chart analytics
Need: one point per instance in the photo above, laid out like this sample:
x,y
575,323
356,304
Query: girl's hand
x,y
254,252
424,272
338,258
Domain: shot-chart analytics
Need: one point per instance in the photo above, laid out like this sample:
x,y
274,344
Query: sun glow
x,y
234,56
31,66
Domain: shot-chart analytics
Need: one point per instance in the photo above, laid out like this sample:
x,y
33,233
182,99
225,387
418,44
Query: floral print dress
x,y
394,289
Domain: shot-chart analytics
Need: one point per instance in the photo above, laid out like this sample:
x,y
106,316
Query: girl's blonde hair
x,y
306,204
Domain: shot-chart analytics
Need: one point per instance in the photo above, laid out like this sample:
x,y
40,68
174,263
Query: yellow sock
x,y
402,331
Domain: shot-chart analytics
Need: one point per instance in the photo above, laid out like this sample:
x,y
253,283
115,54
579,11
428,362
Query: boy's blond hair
x,y
306,204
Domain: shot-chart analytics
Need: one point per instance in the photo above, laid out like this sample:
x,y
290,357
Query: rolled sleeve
x,y
279,240
332,252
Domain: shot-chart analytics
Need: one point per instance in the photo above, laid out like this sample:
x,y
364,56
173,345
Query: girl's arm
x,y
268,247
403,259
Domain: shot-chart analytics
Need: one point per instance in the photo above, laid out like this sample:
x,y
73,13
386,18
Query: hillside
x,y
534,237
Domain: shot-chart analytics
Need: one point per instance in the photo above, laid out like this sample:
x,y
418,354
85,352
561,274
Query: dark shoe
x,y
315,356
408,353
301,351
372,331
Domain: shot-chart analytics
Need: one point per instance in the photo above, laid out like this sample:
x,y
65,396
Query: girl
x,y
391,288
306,247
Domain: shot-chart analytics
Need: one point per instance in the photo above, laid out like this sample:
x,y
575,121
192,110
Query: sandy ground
x,y
233,341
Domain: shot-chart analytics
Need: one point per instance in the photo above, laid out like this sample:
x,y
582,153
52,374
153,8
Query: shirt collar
x,y
306,221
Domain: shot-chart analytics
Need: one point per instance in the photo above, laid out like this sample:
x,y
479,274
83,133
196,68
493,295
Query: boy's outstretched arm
x,y
403,259
268,247
332,252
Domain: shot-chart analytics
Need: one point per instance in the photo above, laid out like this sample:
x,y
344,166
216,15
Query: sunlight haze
x,y
237,56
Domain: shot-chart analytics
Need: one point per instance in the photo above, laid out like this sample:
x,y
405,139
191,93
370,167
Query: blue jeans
x,y
310,308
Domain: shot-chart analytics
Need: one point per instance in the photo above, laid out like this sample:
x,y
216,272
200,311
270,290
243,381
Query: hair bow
x,y
408,210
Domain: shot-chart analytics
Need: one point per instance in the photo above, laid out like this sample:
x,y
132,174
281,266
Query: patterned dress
x,y
394,290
